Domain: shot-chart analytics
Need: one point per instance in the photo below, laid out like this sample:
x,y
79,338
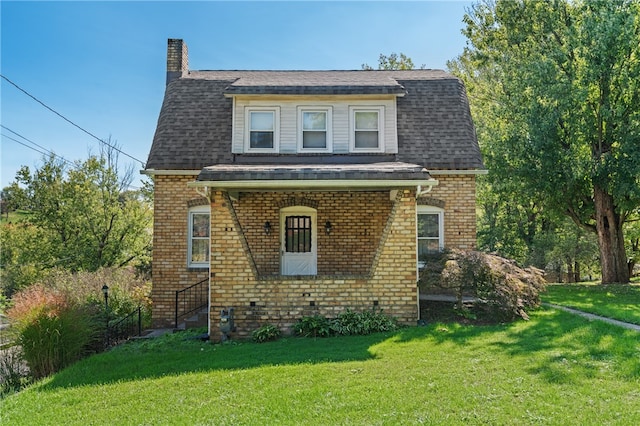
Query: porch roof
x,y
318,176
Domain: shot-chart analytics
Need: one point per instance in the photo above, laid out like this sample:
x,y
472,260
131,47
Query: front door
x,y
298,241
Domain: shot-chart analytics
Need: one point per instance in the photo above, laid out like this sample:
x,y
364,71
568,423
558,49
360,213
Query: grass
x,y
556,368
621,302
13,217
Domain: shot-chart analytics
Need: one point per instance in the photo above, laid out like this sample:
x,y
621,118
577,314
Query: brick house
x,y
293,193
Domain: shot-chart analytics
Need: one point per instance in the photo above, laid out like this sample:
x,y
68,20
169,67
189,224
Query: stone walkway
x,y
595,317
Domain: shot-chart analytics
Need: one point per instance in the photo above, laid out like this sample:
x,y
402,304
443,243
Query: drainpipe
x,y
206,193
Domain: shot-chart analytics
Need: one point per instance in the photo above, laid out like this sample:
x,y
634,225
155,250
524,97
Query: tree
x,y
13,198
84,216
393,62
558,84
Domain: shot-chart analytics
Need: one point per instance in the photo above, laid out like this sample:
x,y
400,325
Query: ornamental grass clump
x,y
52,331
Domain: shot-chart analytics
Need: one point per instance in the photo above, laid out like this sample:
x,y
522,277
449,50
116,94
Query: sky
x,y
102,65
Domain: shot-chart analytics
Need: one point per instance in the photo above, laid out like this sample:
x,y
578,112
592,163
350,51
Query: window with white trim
x,y
262,126
314,134
366,129
430,232
199,237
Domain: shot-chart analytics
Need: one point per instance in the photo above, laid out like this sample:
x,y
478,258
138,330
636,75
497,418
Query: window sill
x,y
197,268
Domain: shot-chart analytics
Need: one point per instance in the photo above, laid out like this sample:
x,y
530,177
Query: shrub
x,y
346,323
365,322
52,331
504,290
13,373
266,333
127,290
313,326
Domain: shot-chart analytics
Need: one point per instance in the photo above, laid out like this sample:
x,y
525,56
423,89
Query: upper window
x,y
315,129
262,126
366,129
430,232
199,237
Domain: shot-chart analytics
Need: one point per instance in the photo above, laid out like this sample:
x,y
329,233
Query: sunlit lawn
x,y
556,368
621,302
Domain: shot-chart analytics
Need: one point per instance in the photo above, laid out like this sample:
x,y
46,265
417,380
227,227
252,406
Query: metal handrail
x,y
126,327
191,299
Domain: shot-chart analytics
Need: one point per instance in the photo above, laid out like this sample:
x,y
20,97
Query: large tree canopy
x,y
79,218
555,88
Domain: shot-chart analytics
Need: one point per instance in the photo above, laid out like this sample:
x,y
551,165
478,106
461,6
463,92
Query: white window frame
x,y
328,131
429,210
352,128
276,128
193,211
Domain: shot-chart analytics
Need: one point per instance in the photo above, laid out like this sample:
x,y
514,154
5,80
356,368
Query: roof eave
x,y
316,185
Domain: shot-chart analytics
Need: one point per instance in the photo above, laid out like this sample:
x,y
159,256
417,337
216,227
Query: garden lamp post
x,y
105,291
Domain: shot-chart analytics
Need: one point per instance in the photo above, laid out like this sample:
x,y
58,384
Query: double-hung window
x,y
199,237
367,129
315,129
430,232
262,129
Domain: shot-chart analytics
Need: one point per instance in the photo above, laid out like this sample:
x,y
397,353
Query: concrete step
x,y
197,320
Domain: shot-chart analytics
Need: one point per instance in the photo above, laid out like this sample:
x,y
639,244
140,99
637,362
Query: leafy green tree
x,y
84,218
558,86
393,62
13,198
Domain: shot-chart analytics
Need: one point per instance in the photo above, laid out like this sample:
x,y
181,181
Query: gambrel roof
x,y
434,125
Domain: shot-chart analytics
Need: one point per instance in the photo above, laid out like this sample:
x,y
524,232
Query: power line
x,y
47,151
25,145
69,121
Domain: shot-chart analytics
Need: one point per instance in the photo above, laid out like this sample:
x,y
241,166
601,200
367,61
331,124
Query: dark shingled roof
x,y
315,83
434,123
371,171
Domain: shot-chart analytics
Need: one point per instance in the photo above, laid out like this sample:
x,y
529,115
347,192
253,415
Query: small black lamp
x,y
328,227
105,291
267,228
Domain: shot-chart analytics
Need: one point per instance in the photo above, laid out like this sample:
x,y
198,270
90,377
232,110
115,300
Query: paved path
x,y
595,317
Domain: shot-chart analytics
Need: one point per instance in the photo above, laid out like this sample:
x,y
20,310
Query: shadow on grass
x,y
566,348
557,346
177,355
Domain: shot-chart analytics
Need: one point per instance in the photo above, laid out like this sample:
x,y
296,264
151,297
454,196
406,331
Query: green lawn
x,y
621,302
556,368
13,217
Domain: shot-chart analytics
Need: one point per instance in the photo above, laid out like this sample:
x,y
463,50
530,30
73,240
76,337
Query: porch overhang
x,y
317,177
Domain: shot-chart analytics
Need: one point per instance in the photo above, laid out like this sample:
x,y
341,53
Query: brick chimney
x,y
177,59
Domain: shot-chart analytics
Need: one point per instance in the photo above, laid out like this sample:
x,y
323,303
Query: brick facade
x,y
368,260
171,201
456,194
387,280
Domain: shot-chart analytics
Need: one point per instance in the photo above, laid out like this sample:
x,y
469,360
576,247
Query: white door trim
x,y
298,263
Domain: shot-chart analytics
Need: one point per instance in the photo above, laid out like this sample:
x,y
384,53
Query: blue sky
x,y
102,64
